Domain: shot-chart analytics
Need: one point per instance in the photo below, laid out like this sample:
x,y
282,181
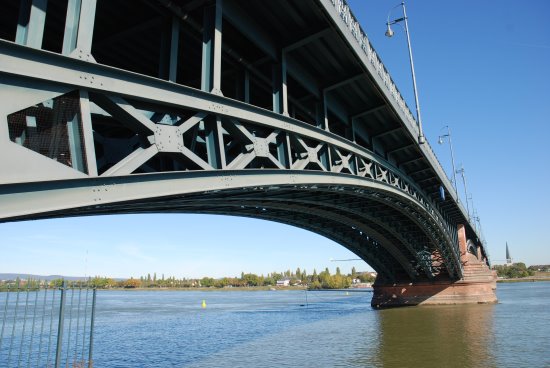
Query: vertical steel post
x,y
354,139
217,57
276,84
207,40
87,134
32,18
24,325
284,91
325,111
212,48
33,324
14,320
70,327
59,345
71,26
322,123
42,325
75,358
214,142
283,151
246,86
86,25
23,22
85,320
174,49
92,320
51,329
4,316
75,144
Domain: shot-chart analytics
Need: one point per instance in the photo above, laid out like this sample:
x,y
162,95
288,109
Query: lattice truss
x,y
133,137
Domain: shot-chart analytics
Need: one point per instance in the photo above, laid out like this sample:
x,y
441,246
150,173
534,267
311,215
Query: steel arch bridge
x,y
279,110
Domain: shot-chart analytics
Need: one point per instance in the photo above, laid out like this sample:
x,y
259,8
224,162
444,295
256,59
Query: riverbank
x,y
207,289
524,279
238,288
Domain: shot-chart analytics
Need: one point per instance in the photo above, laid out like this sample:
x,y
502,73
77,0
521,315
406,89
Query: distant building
x,y
283,282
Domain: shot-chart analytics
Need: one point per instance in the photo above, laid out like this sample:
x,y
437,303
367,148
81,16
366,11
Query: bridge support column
x,y
435,293
476,287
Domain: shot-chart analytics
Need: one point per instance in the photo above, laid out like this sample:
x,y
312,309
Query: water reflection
x,y
443,336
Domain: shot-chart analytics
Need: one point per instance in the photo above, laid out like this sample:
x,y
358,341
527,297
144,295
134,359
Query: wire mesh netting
x,y
52,128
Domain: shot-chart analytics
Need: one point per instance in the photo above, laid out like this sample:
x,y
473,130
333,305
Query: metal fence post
x,y
60,327
92,319
5,315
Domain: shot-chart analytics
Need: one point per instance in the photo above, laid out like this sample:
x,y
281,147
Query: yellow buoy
x,y
203,303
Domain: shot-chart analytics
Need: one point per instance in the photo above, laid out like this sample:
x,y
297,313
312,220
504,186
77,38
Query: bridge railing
x,y
354,27
360,36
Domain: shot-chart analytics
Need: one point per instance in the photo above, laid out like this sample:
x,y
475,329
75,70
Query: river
x,y
318,329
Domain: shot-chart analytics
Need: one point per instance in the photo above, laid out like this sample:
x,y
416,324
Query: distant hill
x,y
26,276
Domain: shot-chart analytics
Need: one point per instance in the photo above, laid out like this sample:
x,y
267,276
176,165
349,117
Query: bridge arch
x,y
387,227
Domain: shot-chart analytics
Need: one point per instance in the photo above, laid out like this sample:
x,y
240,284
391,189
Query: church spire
x,y
508,258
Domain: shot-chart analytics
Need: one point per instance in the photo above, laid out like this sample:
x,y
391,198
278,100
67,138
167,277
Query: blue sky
x,y
482,68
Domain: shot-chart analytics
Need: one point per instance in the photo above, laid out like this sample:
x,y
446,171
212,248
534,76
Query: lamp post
x,y
461,172
440,141
389,33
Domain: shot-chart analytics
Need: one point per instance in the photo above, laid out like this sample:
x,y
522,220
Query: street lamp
x,y
440,141
389,33
461,171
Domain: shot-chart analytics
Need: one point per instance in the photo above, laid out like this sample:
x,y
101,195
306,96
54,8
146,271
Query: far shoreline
x,y
236,288
523,279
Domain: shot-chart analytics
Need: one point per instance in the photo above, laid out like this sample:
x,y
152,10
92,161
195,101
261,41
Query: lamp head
x,y
389,31
440,140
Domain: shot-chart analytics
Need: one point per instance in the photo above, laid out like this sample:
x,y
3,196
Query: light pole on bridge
x,y
440,141
461,172
389,33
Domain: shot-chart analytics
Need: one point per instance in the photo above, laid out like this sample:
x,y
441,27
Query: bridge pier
x,y
434,293
477,285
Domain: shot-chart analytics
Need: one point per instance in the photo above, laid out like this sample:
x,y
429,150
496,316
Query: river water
x,y
318,329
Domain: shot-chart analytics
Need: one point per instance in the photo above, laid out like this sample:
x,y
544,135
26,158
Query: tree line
x,y
299,277
513,271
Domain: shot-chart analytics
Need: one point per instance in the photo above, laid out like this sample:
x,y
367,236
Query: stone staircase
x,y
476,271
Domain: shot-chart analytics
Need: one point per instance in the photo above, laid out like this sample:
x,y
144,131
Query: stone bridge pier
x,y
477,285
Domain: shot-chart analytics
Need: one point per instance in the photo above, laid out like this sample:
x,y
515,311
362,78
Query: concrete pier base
x,y
477,287
436,293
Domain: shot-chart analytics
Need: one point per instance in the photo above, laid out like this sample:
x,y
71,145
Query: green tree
x,y
207,282
516,270
250,279
314,277
131,283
